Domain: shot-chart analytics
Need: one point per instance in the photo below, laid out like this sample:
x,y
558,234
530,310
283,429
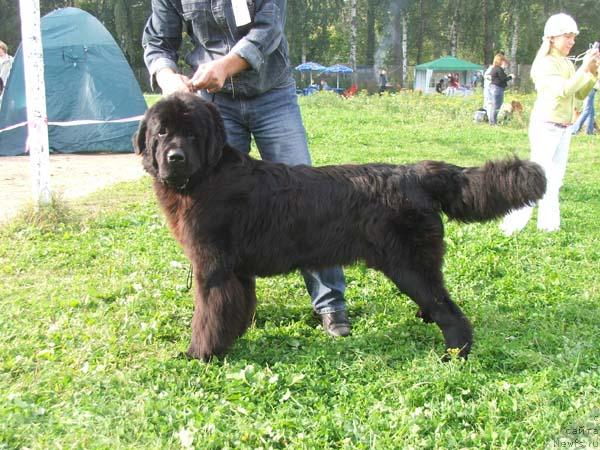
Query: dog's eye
x,y
191,135
162,132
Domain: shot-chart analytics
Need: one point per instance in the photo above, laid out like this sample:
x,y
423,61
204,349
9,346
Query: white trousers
x,y
550,149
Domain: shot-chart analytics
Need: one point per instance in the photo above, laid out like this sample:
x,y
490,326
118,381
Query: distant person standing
x,y
498,83
382,81
439,87
5,65
486,83
588,114
486,90
453,83
559,89
474,79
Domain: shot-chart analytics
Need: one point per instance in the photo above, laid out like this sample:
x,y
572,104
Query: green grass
x,y
95,315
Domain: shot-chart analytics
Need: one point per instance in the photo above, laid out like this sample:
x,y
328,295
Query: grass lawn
x,y
95,315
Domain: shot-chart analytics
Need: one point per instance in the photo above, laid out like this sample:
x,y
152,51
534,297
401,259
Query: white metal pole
x,y
35,91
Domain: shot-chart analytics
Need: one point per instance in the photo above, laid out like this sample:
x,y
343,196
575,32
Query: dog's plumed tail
x,y
477,194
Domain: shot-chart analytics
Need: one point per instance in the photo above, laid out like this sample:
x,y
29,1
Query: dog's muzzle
x,y
176,162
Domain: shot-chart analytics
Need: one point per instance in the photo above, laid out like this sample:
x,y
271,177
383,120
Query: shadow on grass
x,y
504,343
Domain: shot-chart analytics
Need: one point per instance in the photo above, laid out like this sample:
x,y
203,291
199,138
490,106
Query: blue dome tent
x,y
93,100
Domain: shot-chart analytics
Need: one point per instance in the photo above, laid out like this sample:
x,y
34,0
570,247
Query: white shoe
x,y
516,220
508,230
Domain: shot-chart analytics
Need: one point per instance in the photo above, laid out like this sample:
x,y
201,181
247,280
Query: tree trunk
x,y
353,33
397,37
370,48
303,58
487,47
514,45
123,27
421,32
404,15
454,29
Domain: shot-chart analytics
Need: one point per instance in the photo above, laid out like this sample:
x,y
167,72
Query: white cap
x,y
560,24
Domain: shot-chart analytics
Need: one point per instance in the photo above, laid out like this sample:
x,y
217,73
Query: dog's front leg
x,y
221,314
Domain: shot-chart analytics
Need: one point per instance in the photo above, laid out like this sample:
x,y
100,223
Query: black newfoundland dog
x,y
237,218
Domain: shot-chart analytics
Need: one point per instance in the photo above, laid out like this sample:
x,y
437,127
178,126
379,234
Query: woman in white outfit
x,y
560,88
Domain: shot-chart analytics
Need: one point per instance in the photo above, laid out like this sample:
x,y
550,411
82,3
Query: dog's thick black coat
x,y
237,218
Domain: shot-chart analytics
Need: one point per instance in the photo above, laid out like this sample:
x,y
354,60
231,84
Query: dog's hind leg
x,y
411,255
423,316
223,310
428,291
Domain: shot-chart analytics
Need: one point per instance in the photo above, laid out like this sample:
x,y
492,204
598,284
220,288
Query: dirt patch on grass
x,y
71,176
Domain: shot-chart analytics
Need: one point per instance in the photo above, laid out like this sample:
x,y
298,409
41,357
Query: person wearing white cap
x,y
560,89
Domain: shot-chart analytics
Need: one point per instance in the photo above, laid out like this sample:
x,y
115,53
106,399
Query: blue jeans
x,y
275,122
497,98
587,114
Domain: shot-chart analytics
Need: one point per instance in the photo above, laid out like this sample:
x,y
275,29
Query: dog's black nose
x,y
175,155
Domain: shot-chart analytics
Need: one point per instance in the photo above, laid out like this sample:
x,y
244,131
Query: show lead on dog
x,y
560,89
241,64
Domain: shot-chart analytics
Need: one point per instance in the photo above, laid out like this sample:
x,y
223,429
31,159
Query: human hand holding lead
x,y
170,81
210,76
591,60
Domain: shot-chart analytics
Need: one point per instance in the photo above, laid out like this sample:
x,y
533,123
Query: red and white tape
x,y
73,123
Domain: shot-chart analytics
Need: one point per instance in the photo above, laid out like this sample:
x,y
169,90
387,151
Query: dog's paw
x,y
424,316
194,353
456,353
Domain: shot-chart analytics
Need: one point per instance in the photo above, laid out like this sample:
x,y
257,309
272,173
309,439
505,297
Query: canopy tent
x,y
424,73
94,102
310,67
337,69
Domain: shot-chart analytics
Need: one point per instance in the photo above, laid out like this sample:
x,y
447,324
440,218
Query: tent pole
x,y
35,92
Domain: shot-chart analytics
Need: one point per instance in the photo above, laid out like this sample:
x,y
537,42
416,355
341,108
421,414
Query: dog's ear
x,y
219,137
139,138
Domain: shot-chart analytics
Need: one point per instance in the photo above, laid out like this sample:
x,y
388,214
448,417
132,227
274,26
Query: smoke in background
x,y
391,36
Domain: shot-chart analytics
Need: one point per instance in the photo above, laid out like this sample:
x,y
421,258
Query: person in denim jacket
x,y
240,63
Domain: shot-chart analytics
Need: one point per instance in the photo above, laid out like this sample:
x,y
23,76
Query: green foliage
x,y
45,217
305,28
320,30
95,315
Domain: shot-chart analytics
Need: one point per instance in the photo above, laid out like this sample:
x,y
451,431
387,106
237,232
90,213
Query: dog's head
x,y
516,106
180,135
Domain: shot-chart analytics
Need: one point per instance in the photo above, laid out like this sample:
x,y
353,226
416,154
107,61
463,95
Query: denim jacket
x,y
212,26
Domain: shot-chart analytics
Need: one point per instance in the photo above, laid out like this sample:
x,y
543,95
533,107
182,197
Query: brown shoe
x,y
336,324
